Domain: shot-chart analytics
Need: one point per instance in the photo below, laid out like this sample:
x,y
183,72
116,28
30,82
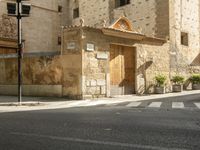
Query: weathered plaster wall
x,y
41,76
72,64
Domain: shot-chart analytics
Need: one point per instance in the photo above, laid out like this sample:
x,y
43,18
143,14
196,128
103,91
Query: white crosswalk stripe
x,y
178,105
88,103
155,104
198,105
133,104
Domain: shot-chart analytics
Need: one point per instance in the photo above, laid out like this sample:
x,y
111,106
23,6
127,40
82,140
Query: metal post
x,y
19,9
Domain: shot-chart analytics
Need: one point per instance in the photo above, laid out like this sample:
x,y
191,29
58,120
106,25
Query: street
x,y
161,124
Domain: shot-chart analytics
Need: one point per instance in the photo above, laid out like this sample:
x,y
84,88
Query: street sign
x,y
11,7
26,9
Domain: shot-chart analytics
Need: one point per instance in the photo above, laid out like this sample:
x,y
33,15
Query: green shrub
x,y
195,79
177,79
160,80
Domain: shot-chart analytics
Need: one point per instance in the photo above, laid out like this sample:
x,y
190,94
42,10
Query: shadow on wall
x,y
145,66
196,61
187,85
143,89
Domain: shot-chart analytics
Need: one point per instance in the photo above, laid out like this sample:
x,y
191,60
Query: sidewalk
x,y
9,103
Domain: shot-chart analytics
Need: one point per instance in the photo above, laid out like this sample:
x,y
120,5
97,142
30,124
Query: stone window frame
x,y
184,38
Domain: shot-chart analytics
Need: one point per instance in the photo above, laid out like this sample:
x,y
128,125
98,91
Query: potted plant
x,y
177,83
195,79
160,84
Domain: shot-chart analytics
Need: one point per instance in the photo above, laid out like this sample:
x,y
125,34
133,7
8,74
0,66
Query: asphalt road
x,y
104,128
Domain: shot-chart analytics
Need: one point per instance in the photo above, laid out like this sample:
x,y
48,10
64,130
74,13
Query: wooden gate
x,y
122,70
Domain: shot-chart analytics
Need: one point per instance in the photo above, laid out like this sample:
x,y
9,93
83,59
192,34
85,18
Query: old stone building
x,y
40,31
178,21
98,48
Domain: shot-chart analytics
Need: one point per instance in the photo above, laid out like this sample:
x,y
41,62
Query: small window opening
x,y
59,40
119,3
76,13
184,39
59,9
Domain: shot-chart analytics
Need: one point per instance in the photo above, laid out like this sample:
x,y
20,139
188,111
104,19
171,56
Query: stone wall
x,y
159,18
184,17
150,16
152,60
8,27
96,68
40,30
81,71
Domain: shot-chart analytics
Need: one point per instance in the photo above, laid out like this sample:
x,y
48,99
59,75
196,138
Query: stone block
x,y
101,82
93,91
103,90
87,83
93,83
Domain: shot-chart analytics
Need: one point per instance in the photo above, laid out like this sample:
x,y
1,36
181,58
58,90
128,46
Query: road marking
x,y
78,103
178,105
155,104
133,104
93,103
198,105
88,141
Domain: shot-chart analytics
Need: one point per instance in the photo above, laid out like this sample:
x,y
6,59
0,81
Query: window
x,y
76,13
59,40
119,3
59,9
184,39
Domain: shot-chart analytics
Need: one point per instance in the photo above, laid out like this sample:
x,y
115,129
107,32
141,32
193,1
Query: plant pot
x,y
195,86
159,90
177,88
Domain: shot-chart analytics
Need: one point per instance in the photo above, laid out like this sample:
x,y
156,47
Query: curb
x,y
37,105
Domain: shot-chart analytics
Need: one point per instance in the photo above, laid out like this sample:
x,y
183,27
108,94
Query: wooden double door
x,y
122,70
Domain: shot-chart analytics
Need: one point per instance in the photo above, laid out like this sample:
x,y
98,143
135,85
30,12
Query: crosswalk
x,y
155,104
198,105
172,105
178,105
134,104
141,104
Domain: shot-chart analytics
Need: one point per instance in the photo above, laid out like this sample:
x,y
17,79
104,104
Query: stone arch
x,y
122,23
